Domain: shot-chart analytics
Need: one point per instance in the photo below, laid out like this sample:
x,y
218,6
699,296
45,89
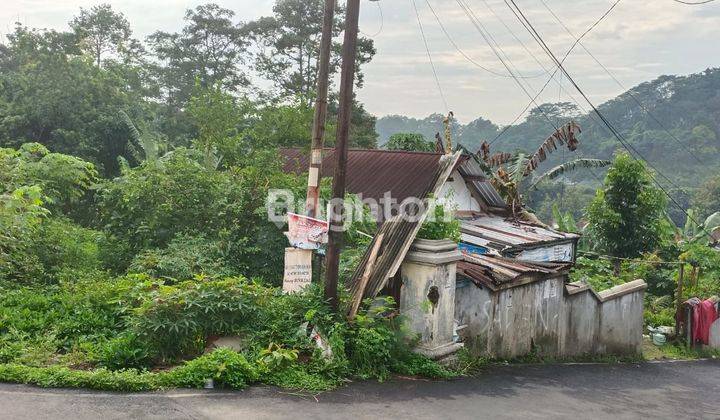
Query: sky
x,y
637,42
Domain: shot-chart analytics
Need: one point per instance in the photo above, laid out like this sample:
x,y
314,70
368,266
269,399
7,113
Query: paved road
x,y
650,390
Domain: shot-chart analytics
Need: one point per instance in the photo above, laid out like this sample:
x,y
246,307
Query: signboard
x,y
298,269
306,232
555,253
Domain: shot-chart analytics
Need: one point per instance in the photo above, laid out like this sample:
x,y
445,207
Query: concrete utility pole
x,y
347,79
318,132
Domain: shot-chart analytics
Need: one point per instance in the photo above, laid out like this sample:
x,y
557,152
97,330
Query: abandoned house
x,y
502,292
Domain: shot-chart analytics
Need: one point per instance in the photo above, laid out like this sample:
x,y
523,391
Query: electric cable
x,y
466,56
629,93
427,50
516,10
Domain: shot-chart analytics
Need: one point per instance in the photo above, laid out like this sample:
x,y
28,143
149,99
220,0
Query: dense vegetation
x,y
680,136
133,229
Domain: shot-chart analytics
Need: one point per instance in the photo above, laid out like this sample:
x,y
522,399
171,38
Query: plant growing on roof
x,y
440,225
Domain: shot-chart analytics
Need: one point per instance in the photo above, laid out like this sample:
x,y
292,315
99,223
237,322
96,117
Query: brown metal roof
x,y
395,237
470,170
373,172
498,272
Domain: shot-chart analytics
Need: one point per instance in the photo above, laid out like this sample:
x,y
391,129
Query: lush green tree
x,y
54,96
707,198
151,205
625,219
288,44
101,31
208,51
409,141
63,180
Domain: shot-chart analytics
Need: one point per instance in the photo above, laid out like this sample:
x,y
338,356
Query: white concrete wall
x,y
457,194
542,317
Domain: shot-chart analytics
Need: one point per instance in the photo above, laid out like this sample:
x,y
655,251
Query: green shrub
x,y
225,367
441,226
184,258
176,320
123,352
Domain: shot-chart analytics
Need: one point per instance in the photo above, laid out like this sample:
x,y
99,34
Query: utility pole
x,y
347,79
318,132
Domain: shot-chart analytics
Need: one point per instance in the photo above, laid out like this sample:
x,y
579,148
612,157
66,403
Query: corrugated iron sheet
x,y
497,233
397,236
493,271
372,173
471,170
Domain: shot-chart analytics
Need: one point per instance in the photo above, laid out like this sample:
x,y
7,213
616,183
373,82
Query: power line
x,y
572,47
427,50
481,29
629,93
694,3
467,57
382,22
613,130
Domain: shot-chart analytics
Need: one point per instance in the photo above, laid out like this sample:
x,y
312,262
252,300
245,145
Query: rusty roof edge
x,y
438,184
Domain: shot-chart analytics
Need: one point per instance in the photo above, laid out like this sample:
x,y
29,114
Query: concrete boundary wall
x,y
550,317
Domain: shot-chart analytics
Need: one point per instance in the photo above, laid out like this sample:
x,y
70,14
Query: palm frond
x,y
570,166
567,135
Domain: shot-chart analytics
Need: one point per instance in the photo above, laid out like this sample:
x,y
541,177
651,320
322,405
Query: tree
x,y
409,141
625,219
289,42
102,30
54,96
209,51
707,197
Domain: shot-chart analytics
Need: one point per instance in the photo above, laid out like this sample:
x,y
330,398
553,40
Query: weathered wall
x,y
547,318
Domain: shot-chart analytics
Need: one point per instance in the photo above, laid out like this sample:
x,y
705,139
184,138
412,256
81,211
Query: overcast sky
x,y
638,41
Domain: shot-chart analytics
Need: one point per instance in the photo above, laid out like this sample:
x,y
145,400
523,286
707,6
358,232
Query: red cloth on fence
x,y
704,315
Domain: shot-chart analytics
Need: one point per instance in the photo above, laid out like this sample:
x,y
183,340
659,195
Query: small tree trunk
x,y
617,264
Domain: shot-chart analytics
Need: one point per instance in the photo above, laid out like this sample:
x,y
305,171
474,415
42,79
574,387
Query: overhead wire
x,y
629,147
382,22
627,91
427,50
572,47
482,30
466,56
473,18
694,3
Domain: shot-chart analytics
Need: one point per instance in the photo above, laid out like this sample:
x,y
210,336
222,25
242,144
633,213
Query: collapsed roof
x,y
498,273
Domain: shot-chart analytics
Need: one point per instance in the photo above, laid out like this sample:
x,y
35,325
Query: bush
x,y
184,258
225,367
176,320
442,226
123,352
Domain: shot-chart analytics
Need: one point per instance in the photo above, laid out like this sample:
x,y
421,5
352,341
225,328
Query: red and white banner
x,y
306,232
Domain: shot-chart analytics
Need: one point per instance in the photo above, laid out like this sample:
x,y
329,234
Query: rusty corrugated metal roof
x,y
470,169
397,235
373,172
498,272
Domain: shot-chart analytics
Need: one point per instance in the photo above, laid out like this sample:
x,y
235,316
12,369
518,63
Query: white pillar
x,y
427,295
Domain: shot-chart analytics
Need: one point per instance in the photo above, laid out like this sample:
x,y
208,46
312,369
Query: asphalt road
x,y
649,390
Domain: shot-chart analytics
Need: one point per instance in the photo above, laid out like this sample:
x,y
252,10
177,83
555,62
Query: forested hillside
x,y
687,106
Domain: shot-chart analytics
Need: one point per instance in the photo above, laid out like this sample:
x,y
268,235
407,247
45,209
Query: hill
x,y
672,121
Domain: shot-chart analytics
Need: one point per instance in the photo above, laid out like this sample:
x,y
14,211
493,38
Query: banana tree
x,y
507,171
